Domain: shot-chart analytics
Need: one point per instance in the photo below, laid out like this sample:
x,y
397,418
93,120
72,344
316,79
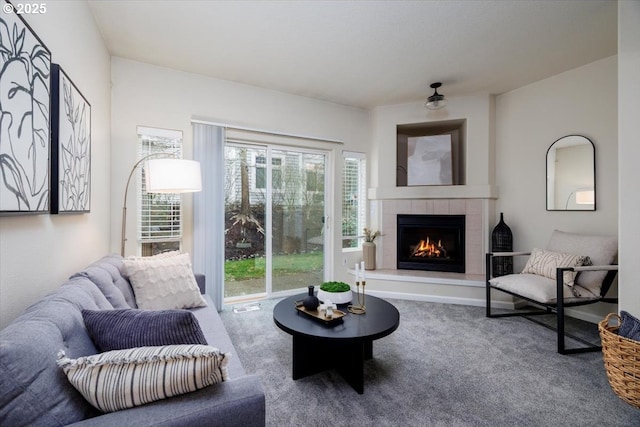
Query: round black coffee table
x,y
343,345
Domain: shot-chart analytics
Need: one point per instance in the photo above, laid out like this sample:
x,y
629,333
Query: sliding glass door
x,y
274,219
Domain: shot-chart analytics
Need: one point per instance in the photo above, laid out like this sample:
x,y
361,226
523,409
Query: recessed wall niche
x,y
430,153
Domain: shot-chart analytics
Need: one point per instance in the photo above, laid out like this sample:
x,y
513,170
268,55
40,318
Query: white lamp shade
x,y
586,197
173,176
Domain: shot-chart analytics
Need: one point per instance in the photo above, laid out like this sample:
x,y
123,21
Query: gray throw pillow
x,y
129,328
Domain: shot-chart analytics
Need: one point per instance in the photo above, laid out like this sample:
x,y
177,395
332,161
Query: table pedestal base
x,y
311,355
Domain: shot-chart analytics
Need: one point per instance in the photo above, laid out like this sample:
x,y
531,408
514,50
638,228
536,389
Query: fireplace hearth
x,y
431,242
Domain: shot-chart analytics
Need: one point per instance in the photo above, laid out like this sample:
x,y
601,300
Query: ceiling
x,y
364,53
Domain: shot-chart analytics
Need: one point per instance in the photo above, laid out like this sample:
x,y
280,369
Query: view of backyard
x,y
247,276
275,196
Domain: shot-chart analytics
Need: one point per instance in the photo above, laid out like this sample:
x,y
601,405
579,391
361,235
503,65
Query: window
x,y
354,198
261,172
159,215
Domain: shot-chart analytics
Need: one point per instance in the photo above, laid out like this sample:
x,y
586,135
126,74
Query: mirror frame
x,y
548,182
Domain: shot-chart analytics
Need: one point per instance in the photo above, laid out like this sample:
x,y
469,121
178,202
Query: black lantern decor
x,y
502,241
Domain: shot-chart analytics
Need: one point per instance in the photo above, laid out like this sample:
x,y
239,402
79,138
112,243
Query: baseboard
x,y
587,317
443,300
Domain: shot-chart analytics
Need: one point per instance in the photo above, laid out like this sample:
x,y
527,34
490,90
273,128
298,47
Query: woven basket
x,y
621,361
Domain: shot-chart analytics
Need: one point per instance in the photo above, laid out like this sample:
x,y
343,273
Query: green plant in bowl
x,y
335,287
336,292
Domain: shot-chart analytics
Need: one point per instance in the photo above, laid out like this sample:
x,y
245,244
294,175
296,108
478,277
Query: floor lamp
x,y
166,175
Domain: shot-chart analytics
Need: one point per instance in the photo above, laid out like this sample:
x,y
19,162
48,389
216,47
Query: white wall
x,y
164,98
38,253
629,153
582,101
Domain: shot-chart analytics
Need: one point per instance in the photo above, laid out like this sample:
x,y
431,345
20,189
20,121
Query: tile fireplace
x,y
384,214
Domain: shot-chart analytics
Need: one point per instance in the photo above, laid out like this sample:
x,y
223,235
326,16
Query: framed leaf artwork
x,y
25,66
70,146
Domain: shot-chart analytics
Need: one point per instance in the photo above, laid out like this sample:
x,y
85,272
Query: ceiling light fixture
x,y
435,101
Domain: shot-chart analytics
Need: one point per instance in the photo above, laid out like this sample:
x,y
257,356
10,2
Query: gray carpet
x,y
446,365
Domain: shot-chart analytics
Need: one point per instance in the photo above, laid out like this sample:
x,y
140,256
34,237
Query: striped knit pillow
x,y
123,379
544,263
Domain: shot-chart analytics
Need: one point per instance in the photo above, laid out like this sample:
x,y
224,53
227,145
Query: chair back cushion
x,y
602,250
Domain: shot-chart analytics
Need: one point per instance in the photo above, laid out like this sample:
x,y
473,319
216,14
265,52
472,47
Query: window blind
x,y
159,215
354,198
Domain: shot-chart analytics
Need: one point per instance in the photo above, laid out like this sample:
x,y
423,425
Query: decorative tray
x,y
319,314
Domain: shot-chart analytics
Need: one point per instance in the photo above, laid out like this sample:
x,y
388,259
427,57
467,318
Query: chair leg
x,y
562,348
488,288
560,327
560,309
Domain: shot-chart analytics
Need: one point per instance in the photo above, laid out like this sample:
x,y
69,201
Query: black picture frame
x,y
70,146
25,140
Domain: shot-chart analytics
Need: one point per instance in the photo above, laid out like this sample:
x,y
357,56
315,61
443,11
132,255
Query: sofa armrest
x,y
239,402
201,281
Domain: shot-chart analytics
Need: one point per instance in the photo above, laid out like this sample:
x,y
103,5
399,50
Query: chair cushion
x,y
545,263
123,379
162,283
602,250
129,328
535,287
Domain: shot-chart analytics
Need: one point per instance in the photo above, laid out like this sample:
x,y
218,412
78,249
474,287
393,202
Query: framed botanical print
x,y
70,146
25,66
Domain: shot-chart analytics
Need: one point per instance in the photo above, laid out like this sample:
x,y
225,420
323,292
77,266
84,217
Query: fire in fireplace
x,y
431,242
429,249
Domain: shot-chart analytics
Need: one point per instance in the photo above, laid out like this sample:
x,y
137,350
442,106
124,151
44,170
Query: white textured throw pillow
x,y
544,263
164,283
123,379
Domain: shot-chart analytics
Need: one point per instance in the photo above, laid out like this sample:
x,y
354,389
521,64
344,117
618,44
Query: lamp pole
x,y
126,191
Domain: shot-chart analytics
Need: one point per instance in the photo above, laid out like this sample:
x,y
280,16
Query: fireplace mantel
x,y
434,192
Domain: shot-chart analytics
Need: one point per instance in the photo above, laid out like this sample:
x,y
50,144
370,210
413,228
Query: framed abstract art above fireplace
x,y
70,146
429,160
25,65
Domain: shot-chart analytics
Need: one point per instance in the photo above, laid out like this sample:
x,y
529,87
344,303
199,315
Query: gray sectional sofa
x,y
35,392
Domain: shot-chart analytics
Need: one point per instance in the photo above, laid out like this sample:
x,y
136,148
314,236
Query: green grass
x,y
255,268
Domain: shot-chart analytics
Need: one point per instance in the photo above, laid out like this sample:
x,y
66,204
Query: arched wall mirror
x,y
571,174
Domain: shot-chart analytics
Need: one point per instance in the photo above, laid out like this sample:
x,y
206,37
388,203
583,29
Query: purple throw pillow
x,y
629,327
130,328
